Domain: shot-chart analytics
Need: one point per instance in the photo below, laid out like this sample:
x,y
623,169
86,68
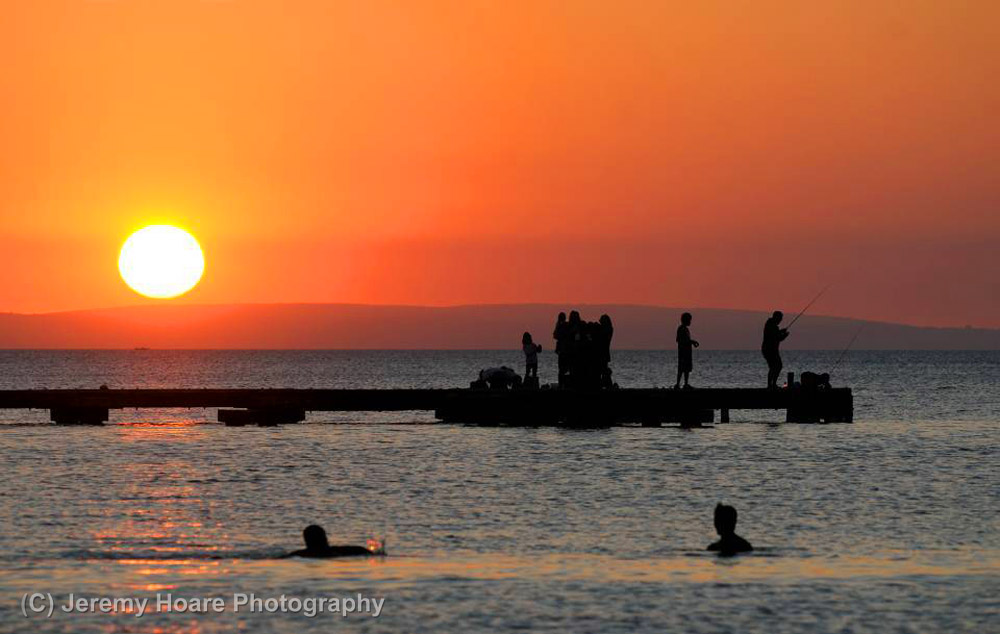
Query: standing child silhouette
x,y
685,358
531,350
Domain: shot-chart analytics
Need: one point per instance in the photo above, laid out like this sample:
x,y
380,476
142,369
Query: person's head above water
x,y
686,319
315,538
725,524
725,519
777,315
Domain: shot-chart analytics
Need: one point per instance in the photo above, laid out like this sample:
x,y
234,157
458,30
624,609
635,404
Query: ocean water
x,y
889,524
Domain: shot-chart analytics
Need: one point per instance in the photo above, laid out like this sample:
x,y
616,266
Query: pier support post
x,y
695,417
78,415
724,415
804,408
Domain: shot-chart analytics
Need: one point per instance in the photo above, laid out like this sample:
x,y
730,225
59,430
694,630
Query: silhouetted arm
x,y
349,551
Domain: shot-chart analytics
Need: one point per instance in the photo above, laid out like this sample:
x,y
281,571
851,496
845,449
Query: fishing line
x,y
808,306
849,344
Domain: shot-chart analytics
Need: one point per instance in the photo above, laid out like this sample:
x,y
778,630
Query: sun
x,y
161,261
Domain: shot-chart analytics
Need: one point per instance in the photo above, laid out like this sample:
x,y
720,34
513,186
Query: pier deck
x,y
516,407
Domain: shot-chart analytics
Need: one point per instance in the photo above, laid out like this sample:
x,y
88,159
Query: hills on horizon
x,y
490,326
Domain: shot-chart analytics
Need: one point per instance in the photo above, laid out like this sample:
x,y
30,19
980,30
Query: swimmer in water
x,y
317,546
725,524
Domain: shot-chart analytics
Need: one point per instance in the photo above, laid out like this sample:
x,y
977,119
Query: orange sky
x,y
734,154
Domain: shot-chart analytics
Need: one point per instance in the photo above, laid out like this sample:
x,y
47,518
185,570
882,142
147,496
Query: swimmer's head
x,y
725,519
315,537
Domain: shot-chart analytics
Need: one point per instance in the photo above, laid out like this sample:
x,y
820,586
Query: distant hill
x,y
345,326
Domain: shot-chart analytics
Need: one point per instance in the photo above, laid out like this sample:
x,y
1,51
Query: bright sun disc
x,y
161,261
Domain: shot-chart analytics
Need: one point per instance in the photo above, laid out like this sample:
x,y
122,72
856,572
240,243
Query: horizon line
x,y
566,305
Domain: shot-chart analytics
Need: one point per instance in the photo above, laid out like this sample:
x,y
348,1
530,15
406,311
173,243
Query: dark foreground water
x,y
886,525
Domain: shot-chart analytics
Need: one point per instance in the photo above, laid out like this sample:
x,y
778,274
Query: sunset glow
x,y
161,261
709,154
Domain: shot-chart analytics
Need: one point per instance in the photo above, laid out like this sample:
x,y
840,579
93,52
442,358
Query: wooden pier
x,y
650,407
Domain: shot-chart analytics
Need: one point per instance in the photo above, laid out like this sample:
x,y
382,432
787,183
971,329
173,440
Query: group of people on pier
x,y
583,349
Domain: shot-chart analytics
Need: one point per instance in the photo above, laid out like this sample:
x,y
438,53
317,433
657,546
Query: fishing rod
x,y
849,344
808,306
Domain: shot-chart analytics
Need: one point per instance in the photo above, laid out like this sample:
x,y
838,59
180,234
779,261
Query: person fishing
x,y
774,335
770,347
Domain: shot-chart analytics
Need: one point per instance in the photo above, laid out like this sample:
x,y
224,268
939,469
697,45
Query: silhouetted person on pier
x,y
586,373
575,327
773,336
574,348
502,378
606,332
561,335
814,381
531,350
725,524
685,358
317,546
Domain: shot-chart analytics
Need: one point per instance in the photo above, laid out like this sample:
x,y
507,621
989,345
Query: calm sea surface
x,y
889,524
